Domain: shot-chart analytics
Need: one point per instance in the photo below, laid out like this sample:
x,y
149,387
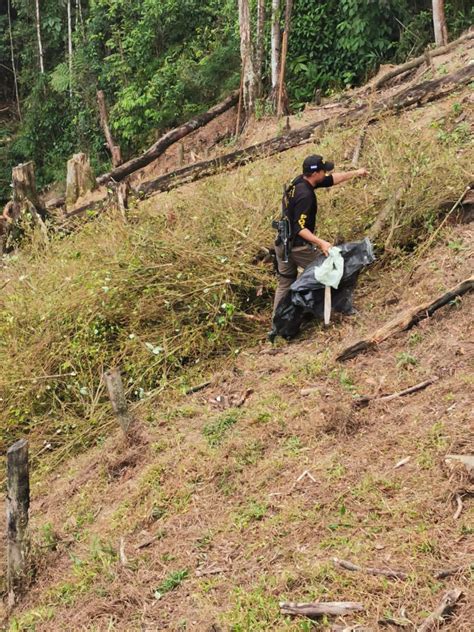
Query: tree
x,y
275,51
15,78
260,46
248,69
282,103
439,22
38,34
69,44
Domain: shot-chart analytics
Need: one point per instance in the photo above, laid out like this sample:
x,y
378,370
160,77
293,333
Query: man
x,y
302,209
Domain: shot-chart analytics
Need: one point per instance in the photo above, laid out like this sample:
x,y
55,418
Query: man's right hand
x,y
325,246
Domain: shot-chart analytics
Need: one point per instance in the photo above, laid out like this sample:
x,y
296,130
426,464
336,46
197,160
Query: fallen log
x,y
406,320
349,566
388,210
449,572
422,93
418,61
320,608
446,605
125,169
364,401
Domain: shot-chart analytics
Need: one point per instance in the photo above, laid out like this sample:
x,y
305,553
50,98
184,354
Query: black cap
x,y
314,163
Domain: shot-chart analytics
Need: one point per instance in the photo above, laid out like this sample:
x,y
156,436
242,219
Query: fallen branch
x,y
197,388
349,566
320,608
406,320
359,145
418,61
364,401
449,572
435,618
459,507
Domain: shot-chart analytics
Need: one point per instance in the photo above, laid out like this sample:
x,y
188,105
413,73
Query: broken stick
x,y
320,608
447,604
406,320
364,401
349,566
448,572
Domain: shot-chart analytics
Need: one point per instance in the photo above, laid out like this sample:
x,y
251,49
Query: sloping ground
x,y
201,523
218,526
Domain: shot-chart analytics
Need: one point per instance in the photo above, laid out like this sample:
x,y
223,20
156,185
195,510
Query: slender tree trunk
x,y
260,46
15,78
439,22
69,45
38,33
104,122
282,104
275,51
248,69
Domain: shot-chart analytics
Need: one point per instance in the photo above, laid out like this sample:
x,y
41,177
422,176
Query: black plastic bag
x,y
306,297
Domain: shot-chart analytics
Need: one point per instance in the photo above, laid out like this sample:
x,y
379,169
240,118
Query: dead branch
x,y
349,566
320,608
406,320
435,618
198,387
359,145
364,401
459,507
449,572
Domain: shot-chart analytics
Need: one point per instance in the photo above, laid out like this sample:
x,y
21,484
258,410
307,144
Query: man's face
x,y
316,177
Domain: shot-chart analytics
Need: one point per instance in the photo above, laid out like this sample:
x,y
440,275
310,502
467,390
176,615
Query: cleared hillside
x,y
207,504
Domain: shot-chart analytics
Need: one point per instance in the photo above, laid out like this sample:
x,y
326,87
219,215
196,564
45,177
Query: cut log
x,y
321,608
114,148
406,320
349,566
358,147
79,179
436,617
418,61
120,172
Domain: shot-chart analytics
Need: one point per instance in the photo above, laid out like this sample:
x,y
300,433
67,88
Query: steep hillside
x,y
230,499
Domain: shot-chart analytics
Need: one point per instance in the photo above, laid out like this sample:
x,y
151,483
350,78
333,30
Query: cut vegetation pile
x,y
217,523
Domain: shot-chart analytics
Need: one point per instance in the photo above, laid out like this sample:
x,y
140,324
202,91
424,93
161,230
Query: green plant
x,y
405,360
216,430
172,581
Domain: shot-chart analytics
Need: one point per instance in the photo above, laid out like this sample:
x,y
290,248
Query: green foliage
x,y
215,431
172,581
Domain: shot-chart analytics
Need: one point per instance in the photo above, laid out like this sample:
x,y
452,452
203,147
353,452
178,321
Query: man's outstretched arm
x,y
344,176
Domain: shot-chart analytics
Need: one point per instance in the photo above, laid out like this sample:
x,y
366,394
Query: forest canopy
x,y
161,61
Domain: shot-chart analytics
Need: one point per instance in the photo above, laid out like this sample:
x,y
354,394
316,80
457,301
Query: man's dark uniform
x,y
302,211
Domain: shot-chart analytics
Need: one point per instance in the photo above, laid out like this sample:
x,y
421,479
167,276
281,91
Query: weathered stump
x,y
25,198
18,503
113,381
79,179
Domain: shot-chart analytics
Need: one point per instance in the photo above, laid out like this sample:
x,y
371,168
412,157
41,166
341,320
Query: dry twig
x,y
320,608
349,566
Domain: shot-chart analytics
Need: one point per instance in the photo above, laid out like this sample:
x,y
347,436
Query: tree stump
x,y
25,198
18,503
79,179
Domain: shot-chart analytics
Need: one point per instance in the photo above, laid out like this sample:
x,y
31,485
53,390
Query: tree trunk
x,y
248,69
38,33
439,23
275,51
260,47
104,122
69,45
24,188
79,179
282,105
168,139
15,78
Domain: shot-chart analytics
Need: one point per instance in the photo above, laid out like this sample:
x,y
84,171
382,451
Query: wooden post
x,y
113,380
79,179
18,503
